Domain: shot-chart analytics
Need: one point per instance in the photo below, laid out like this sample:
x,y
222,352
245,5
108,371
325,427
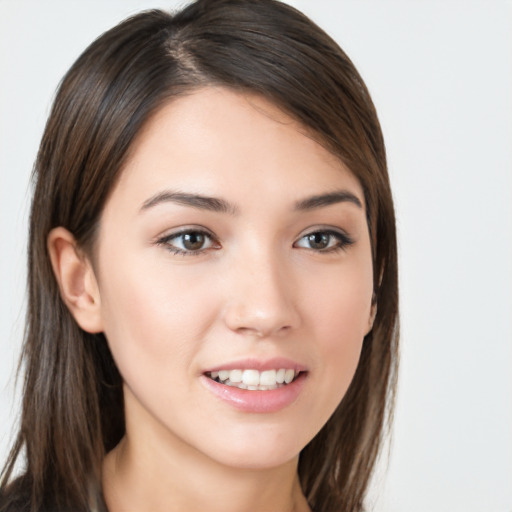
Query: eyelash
x,y
166,241
342,243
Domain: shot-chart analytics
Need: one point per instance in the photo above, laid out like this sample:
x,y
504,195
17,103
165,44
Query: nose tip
x,y
262,303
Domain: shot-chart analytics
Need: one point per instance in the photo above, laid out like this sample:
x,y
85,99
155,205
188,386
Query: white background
x,y
440,73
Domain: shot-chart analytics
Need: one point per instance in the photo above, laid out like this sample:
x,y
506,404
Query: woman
x,y
212,319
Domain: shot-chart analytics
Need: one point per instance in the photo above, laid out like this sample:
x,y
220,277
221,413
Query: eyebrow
x,y
198,201
219,205
321,200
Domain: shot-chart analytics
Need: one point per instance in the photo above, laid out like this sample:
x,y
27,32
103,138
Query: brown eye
x,y
188,242
193,241
324,241
318,240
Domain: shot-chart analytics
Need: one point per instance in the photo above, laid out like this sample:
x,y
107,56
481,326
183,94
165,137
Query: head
x,y
271,62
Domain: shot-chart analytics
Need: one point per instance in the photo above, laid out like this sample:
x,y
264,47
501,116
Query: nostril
x,y
262,331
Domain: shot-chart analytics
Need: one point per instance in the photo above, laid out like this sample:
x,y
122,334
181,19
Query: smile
x,y
254,380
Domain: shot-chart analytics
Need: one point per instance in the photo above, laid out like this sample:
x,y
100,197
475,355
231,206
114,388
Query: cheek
x,y
340,313
341,330
341,305
151,319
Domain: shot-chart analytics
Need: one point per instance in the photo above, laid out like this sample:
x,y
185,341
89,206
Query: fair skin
x,y
272,277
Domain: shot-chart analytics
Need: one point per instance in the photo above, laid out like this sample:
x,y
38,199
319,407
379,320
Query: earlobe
x,y
77,282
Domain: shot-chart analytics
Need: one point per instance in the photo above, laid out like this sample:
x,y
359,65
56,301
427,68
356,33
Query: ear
x,y
77,282
373,313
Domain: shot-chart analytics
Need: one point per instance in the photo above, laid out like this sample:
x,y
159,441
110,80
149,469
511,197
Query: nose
x,y
262,298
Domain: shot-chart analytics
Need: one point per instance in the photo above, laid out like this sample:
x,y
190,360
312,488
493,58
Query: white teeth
x,y
289,376
255,380
268,378
251,377
235,376
224,375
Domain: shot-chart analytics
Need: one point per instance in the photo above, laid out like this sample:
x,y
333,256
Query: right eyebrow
x,y
214,204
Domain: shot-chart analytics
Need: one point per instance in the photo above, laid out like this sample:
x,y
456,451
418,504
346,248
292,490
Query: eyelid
x,y
345,239
183,230
189,228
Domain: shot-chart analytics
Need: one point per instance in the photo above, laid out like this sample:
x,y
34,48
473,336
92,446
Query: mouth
x,y
255,380
257,386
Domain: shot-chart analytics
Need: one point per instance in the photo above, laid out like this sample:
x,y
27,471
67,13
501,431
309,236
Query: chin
x,y
256,449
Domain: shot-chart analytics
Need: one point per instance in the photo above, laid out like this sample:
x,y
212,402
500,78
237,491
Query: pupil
x,y
193,241
319,240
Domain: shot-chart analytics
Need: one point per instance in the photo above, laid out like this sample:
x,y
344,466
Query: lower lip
x,y
257,401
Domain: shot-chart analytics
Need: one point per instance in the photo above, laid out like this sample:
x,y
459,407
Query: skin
x,y
256,289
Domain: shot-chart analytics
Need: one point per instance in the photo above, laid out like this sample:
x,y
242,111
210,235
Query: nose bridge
x,y
261,297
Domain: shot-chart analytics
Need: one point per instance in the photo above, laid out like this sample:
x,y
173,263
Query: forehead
x,y
218,141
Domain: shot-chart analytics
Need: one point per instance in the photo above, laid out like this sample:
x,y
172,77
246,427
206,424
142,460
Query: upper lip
x,y
259,364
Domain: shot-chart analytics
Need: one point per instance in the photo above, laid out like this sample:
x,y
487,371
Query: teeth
x,y
235,376
268,378
255,380
280,376
251,377
289,376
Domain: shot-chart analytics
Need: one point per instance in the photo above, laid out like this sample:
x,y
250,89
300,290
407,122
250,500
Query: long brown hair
x,y
72,411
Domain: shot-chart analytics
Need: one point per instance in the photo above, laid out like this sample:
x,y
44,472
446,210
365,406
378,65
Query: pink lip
x,y
257,401
255,364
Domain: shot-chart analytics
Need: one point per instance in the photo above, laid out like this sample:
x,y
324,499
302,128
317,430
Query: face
x,y
234,273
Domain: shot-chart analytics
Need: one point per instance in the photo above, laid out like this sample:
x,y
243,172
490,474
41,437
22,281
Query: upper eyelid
x,y
165,241
184,230
345,240
324,229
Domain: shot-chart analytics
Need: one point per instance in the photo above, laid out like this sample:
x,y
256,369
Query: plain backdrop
x,y
440,73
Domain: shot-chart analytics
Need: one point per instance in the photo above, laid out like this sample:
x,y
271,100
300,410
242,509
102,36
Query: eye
x,y
188,242
324,241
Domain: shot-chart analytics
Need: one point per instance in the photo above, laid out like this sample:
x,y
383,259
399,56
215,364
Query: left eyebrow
x,y
321,200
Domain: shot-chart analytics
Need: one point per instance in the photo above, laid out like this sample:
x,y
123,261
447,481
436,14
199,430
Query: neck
x,y
151,471
138,481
